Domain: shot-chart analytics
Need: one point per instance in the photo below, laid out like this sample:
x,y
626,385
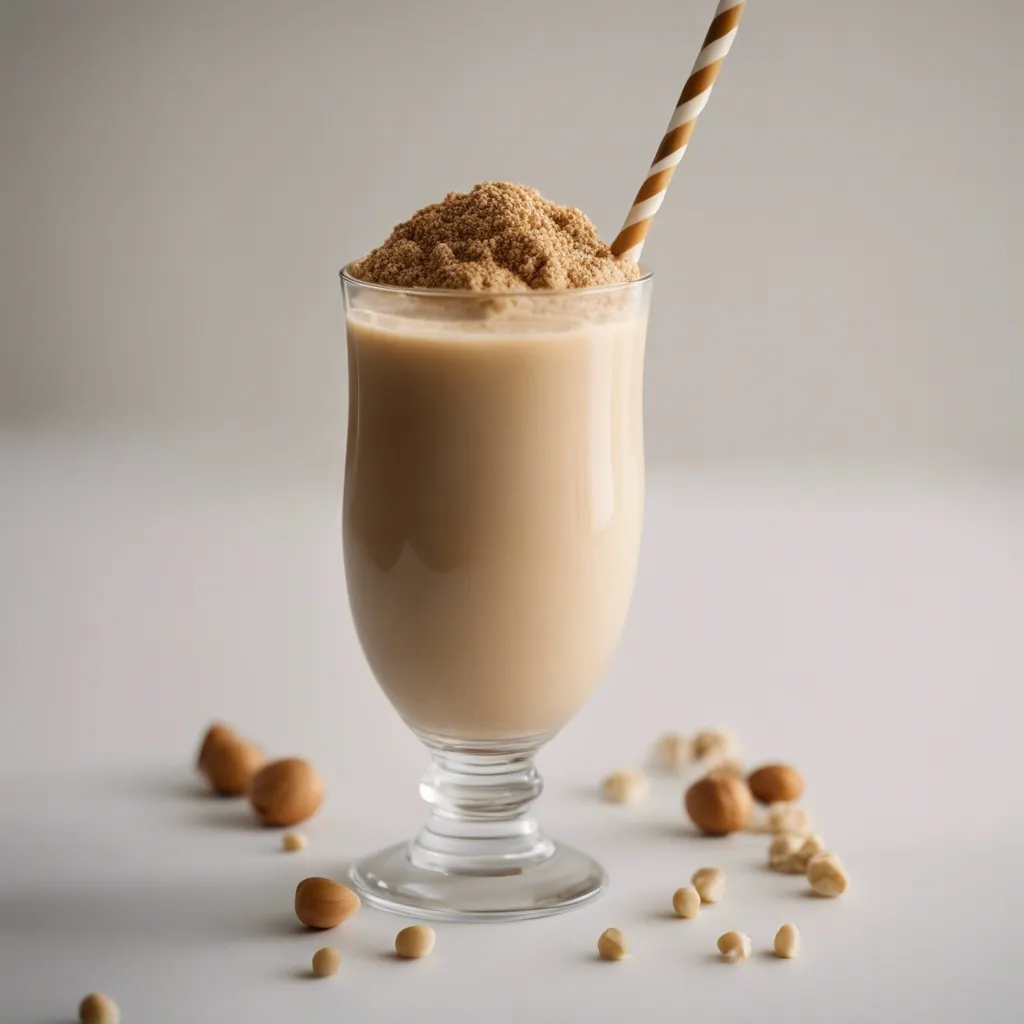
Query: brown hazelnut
x,y
776,782
719,804
217,733
324,903
229,763
286,792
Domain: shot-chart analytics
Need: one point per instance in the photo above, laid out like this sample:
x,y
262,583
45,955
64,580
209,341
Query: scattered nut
x,y
718,805
783,852
709,883
787,942
776,782
96,1008
811,847
415,941
625,786
217,733
232,764
286,792
324,903
228,761
673,752
786,817
686,901
715,745
292,842
730,770
612,945
326,962
734,947
827,876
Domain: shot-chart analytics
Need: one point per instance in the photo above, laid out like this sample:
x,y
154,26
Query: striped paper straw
x,y
630,240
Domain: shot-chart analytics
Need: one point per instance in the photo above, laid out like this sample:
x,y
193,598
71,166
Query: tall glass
x,y
494,490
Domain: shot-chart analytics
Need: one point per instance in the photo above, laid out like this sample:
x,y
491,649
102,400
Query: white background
x,y
866,631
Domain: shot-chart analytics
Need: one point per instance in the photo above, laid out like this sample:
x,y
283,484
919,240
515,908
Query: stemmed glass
x,y
494,486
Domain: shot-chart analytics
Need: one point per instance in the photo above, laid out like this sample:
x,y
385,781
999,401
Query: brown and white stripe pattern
x,y
694,97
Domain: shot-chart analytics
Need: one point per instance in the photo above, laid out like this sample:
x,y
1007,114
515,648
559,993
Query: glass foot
x,y
391,881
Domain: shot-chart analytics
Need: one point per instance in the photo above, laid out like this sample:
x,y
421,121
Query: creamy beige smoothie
x,y
494,476
493,504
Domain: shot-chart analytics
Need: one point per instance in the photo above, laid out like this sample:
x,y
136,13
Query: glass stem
x,y
480,799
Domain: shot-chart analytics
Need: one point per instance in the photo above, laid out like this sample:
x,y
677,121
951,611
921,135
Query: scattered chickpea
x,y
626,786
787,942
612,945
734,947
292,842
673,752
686,901
326,962
415,942
709,883
827,876
96,1008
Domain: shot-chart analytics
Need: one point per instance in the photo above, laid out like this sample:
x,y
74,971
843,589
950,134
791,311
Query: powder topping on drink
x,y
500,237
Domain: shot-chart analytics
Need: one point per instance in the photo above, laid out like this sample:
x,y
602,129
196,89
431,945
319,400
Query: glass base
x,y
389,880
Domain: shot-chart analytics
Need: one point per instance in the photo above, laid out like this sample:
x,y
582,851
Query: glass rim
x,y
646,274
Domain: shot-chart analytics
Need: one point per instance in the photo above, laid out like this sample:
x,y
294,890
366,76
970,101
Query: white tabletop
x,y
868,631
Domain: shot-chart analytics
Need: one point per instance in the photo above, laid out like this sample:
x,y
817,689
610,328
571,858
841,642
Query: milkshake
x,y
494,490
493,507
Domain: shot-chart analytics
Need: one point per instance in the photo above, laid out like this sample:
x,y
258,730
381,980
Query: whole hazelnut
x,y
324,903
776,782
719,804
286,792
230,764
217,733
